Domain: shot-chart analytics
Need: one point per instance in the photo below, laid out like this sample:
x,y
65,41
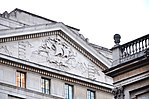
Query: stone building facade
x,y
130,69
45,59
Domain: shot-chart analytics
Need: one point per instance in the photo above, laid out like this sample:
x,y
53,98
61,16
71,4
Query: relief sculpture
x,y
55,51
23,46
62,56
92,71
4,50
118,92
52,52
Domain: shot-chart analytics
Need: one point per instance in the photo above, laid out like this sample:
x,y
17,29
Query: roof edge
x,y
20,10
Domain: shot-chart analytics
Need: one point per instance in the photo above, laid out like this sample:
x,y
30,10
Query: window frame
x,y
68,93
19,82
44,89
89,94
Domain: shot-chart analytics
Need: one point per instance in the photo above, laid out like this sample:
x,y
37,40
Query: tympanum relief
x,y
4,50
55,51
23,49
52,52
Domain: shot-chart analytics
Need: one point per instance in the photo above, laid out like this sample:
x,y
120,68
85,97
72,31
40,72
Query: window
x,y
68,91
90,94
21,79
45,85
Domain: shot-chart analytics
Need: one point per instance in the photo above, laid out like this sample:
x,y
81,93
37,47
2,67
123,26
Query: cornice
x,y
133,79
54,75
128,66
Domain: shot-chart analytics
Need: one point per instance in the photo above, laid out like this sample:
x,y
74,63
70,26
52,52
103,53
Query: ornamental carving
x,y
53,50
23,47
118,92
4,49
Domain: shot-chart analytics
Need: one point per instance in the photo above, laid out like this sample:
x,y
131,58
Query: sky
x,y
98,20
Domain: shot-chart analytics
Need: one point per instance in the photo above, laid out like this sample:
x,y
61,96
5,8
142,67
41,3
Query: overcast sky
x,y
97,20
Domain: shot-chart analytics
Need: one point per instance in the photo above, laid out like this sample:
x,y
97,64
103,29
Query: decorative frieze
x,y
29,36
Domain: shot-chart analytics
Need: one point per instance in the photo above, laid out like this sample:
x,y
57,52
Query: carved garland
x,y
50,74
64,36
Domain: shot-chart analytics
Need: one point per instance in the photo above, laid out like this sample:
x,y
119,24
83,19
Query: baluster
x,y
125,47
133,47
142,40
136,43
125,50
148,41
145,41
122,50
129,49
139,46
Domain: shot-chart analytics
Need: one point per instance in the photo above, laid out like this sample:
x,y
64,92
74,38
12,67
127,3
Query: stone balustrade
x,y
131,50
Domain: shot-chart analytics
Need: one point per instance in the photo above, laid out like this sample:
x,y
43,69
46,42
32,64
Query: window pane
x,y
68,91
45,85
90,94
20,79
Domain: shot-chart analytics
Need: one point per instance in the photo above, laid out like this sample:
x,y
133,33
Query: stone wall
x,y
9,90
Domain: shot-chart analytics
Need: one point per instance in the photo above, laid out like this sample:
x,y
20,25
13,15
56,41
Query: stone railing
x,y
130,50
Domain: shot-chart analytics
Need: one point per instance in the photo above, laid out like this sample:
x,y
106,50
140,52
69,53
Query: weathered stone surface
x,y
130,69
40,47
53,52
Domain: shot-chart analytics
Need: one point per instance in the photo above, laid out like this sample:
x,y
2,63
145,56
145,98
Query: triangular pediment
x,y
71,36
54,46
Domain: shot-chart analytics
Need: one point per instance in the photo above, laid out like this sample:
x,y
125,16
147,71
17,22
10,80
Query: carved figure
x,y
117,38
58,48
118,92
56,51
